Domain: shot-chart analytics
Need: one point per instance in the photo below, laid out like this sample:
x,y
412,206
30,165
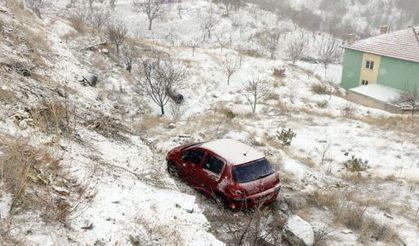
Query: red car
x,y
232,172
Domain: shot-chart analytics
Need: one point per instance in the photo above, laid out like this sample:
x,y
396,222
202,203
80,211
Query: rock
x,y
23,125
61,190
90,79
187,204
283,206
171,126
298,232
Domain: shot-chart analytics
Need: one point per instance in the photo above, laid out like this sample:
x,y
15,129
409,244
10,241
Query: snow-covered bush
x,y
286,136
356,164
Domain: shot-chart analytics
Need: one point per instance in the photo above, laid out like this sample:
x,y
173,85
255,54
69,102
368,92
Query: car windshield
x,y
252,171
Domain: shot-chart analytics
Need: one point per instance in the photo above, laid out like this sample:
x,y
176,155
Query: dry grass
x,y
320,89
28,173
78,22
149,123
7,96
51,116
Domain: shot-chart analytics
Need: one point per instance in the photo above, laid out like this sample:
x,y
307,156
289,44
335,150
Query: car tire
x,y
172,169
221,201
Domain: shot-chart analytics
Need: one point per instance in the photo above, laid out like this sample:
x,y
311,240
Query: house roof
x,y
403,44
233,151
379,92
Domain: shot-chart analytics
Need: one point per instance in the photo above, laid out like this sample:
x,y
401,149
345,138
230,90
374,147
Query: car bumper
x,y
261,198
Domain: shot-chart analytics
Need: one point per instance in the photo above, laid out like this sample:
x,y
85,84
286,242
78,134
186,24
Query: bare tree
x,y
228,5
90,2
410,96
98,18
112,4
223,41
193,43
152,8
209,21
254,91
296,48
269,40
35,6
129,53
158,77
328,52
117,33
231,65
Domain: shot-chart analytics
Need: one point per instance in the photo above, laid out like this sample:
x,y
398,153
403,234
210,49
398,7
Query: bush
x,y
322,104
320,89
356,164
28,173
51,116
230,114
286,136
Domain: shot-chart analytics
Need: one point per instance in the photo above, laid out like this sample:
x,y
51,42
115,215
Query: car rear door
x,y
191,163
210,173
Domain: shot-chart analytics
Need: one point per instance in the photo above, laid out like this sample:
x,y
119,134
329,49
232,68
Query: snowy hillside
x,y
84,163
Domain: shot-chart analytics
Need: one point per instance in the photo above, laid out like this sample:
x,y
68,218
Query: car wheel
x,y
221,201
172,169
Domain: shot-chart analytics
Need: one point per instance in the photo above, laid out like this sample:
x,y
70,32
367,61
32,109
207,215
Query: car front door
x,y
191,163
210,173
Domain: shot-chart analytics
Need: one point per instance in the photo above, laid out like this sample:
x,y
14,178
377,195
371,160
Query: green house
x,y
381,67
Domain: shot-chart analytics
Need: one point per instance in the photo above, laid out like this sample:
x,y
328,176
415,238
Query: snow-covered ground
x,y
129,196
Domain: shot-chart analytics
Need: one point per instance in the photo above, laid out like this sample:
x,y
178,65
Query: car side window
x,y
213,164
195,155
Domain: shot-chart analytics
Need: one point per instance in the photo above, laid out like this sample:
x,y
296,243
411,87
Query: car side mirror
x,y
184,156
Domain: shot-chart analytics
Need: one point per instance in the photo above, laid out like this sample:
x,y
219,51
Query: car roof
x,y
233,151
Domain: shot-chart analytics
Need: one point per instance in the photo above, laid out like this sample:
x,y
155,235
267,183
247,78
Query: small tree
x,y
152,8
410,96
112,4
254,91
129,52
208,24
193,43
296,48
117,33
35,6
328,52
98,18
158,77
231,65
269,40
223,41
90,2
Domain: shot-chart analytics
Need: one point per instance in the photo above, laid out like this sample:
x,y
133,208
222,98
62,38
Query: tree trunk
x,y
150,22
162,109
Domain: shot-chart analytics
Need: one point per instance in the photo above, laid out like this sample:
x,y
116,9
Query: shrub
x,y
322,104
27,173
356,164
319,89
286,136
51,116
78,22
230,114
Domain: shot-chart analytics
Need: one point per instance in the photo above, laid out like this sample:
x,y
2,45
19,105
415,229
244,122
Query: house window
x,y
364,82
369,65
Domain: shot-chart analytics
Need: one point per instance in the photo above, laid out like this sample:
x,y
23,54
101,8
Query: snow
x,y
379,92
235,152
131,194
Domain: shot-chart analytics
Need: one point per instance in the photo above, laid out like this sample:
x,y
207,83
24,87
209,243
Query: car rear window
x,y
252,171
